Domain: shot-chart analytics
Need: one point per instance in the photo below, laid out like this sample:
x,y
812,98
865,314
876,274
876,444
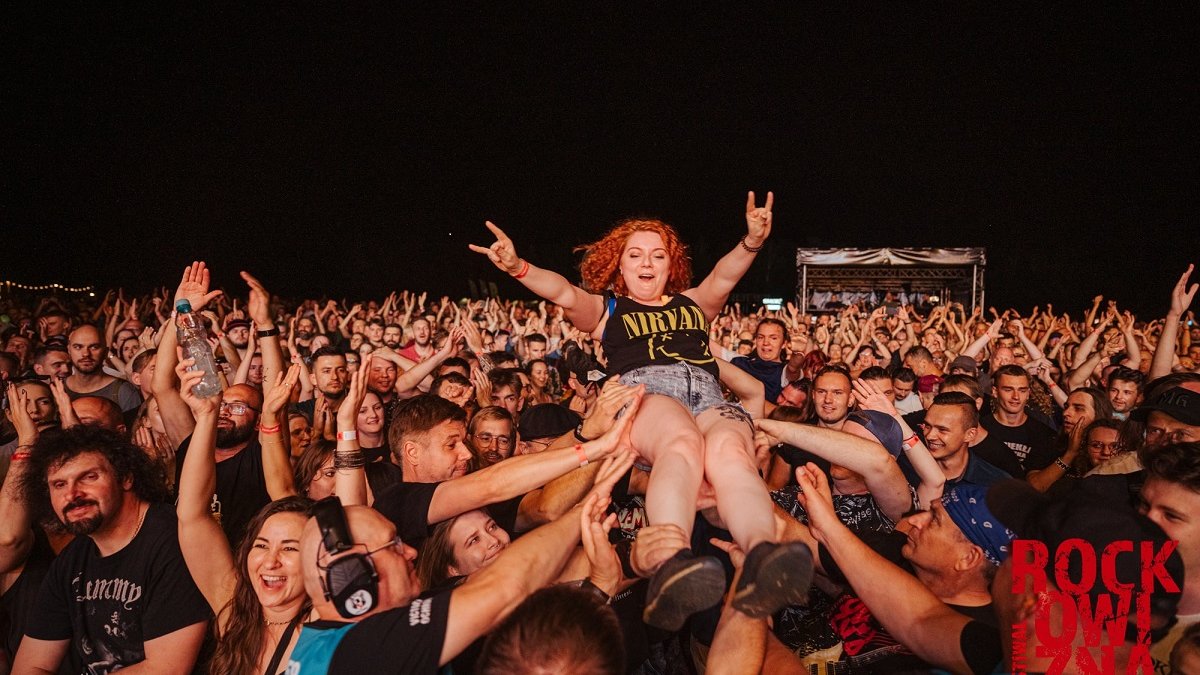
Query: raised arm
x,y
350,483
1164,352
272,435
176,416
905,607
870,397
203,544
583,309
712,293
16,521
259,307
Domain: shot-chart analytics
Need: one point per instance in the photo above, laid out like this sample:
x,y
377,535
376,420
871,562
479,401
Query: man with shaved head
x,y
85,346
100,412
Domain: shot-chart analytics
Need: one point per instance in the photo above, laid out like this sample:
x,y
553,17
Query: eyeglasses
x,y
236,407
1100,447
486,439
396,543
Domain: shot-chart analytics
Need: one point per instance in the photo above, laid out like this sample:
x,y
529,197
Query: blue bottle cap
x,y
183,306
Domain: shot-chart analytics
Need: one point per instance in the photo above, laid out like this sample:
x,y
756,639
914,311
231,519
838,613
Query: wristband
x,y
347,435
349,459
1052,385
596,592
910,442
269,332
523,271
20,456
583,460
748,247
579,434
1066,469
268,430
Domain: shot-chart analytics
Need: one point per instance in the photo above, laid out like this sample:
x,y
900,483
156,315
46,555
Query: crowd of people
x,y
627,476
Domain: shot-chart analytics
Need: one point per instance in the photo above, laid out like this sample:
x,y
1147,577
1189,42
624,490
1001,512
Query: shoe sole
x,y
694,588
783,579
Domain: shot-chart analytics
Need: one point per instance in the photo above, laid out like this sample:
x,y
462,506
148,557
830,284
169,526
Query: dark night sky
x,y
354,151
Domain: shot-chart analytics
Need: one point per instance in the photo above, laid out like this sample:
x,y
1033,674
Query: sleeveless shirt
x,y
638,335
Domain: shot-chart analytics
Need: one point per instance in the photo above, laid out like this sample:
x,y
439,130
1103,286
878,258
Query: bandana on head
x,y
965,505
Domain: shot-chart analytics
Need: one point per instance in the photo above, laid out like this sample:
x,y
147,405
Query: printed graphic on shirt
x,y
419,612
660,329
110,605
1020,450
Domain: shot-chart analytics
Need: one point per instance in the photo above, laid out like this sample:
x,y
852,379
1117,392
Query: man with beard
x,y
85,346
392,334
422,346
306,330
238,332
120,593
329,378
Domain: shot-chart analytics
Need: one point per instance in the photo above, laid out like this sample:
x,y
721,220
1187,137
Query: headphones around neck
x,y
350,582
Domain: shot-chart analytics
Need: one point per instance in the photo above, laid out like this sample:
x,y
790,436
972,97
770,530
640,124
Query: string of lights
x,y
48,287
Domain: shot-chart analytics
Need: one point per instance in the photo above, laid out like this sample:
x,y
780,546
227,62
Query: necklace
x,y
276,623
141,519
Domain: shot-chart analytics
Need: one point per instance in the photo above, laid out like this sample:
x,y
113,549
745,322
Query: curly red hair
x,y
601,261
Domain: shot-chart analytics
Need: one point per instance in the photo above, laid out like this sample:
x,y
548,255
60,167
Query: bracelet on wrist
x,y
20,456
347,435
349,459
1065,467
579,434
748,247
520,274
267,332
583,460
268,430
597,592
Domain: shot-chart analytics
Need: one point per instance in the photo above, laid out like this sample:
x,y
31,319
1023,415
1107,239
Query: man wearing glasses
x,y
241,486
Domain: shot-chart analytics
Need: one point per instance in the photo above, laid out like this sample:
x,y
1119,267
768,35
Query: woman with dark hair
x,y
654,326
256,592
539,380
314,475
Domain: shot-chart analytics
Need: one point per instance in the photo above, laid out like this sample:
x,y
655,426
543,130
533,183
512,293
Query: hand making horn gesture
x,y
758,220
502,253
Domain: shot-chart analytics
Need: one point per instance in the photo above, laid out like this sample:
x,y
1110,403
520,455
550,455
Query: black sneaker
x,y
683,586
773,577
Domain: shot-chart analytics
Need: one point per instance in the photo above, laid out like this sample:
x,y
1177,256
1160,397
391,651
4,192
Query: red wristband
x,y
20,456
524,270
583,460
268,430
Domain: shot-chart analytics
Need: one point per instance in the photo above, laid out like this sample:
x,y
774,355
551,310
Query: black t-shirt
x,y
241,488
407,506
992,450
407,639
981,647
1032,443
108,607
21,597
637,335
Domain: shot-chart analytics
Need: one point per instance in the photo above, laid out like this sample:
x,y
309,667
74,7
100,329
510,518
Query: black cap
x,y
547,420
1181,404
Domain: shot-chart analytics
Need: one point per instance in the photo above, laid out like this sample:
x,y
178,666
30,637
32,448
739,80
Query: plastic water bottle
x,y
194,340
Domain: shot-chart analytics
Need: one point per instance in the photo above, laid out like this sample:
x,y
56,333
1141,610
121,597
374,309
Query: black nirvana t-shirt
x,y
241,488
109,607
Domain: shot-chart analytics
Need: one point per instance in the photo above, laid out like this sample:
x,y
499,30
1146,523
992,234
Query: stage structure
x,y
916,276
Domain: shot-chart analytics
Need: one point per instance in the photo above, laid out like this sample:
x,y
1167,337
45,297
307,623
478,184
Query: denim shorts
x,y
694,387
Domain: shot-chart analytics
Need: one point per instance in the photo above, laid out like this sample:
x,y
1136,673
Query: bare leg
x,y
666,435
729,464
